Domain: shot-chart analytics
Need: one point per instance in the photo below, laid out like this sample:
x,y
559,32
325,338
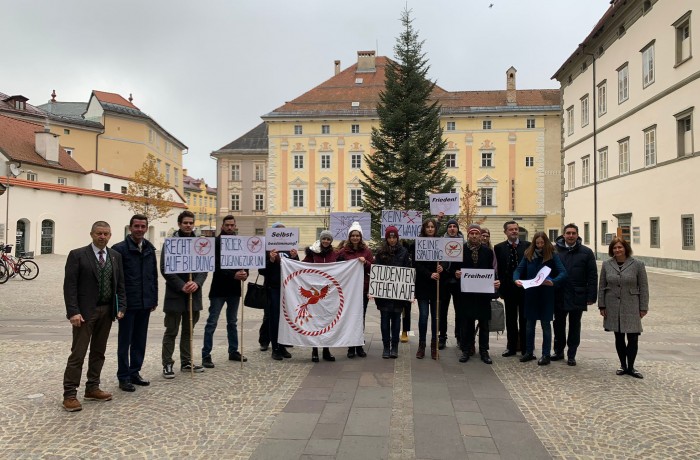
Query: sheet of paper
x,y
537,280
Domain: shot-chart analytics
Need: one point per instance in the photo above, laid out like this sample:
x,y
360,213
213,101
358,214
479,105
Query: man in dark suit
x,y
141,275
508,255
93,290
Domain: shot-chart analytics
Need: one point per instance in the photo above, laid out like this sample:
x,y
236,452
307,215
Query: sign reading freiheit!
x,y
188,255
388,282
239,252
478,280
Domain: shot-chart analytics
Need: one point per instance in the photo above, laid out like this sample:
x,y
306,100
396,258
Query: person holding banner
x,y
452,290
178,288
428,275
394,254
322,252
354,248
476,306
539,300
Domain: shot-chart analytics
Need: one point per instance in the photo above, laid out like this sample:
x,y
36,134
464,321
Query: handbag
x,y
498,317
255,295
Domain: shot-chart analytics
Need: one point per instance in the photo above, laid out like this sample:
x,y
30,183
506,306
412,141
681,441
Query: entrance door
x,y
624,227
47,236
21,238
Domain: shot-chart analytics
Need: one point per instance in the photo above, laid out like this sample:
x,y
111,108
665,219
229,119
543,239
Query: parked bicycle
x,y
11,266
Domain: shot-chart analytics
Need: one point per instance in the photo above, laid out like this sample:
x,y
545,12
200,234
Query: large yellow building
x,y
201,200
505,143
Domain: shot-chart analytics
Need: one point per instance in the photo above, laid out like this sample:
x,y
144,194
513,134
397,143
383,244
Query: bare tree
x,y
149,192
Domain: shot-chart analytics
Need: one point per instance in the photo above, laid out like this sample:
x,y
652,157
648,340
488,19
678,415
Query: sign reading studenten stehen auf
x,y
239,252
188,255
281,239
479,280
438,250
389,282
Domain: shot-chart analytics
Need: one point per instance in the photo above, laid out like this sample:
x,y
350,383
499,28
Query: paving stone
x,y
322,447
368,422
438,437
363,447
373,397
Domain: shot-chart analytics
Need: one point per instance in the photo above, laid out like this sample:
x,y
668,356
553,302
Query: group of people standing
x,y
103,284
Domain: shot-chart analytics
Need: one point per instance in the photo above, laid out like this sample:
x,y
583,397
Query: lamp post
x,y
14,170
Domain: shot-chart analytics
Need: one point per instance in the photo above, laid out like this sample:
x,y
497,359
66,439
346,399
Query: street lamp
x,y
13,169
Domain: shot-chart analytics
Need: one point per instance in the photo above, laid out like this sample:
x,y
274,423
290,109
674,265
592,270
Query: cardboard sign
x,y
238,252
446,203
282,239
438,249
389,282
408,223
188,255
478,280
341,222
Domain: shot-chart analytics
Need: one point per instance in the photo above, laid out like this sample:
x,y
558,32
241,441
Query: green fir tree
x,y
407,163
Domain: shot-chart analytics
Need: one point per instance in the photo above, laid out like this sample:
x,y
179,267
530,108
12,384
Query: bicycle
x,y
27,269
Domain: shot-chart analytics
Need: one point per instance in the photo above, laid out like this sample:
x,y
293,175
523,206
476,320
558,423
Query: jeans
x,y
426,306
452,290
172,323
215,306
560,339
390,326
131,345
546,337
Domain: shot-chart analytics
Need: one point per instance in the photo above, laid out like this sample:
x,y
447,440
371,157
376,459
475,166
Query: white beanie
x,y
355,227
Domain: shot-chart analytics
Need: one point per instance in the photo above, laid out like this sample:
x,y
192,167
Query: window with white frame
x,y
571,176
167,172
68,151
235,202
570,120
236,172
176,174
158,166
586,233
355,129
603,98
356,161
105,187
586,170
450,160
530,123
623,83
688,231
650,146
648,74
325,161
623,148
355,197
654,233
486,196
450,126
584,111
298,198
123,189
298,130
486,124
603,163
298,161
683,51
325,198
259,202
684,125
529,162
325,129
486,159
151,136
62,181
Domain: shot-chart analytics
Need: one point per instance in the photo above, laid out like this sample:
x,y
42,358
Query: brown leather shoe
x,y
72,405
420,354
98,395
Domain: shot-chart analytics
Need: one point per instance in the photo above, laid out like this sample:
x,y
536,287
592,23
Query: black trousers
x,y
560,337
515,322
451,291
467,334
131,346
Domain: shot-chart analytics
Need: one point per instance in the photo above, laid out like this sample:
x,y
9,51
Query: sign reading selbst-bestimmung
x,y
188,255
408,223
446,203
239,252
438,250
281,239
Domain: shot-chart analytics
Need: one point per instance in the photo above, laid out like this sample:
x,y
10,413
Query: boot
x,y
465,357
442,343
386,353
394,353
485,356
404,337
420,354
472,349
314,354
351,352
360,352
327,356
433,350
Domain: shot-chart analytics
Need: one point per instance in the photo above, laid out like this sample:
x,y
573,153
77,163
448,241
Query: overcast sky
x,y
207,70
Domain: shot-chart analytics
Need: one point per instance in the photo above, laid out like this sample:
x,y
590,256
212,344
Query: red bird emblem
x,y
313,296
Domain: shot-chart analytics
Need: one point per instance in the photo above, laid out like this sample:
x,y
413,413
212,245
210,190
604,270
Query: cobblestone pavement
x,y
577,412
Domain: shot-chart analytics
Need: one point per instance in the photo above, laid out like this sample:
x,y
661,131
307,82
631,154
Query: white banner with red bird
x,y
321,304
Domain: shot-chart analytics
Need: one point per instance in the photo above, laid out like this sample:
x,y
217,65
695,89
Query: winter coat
x,y
426,287
539,301
623,292
398,258
321,257
223,281
476,305
140,273
175,300
346,253
508,288
580,287
273,270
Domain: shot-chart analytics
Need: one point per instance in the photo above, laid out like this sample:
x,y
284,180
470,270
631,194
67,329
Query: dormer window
x,y
20,105
18,101
358,81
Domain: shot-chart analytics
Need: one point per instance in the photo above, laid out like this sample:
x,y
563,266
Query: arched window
x,y
47,227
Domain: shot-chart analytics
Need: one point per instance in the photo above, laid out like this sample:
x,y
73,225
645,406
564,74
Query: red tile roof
x,y
18,143
113,98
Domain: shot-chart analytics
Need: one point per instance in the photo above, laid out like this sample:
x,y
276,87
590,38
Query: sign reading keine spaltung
x,y
281,239
438,249
321,304
408,223
446,203
389,282
238,252
478,280
188,255
341,222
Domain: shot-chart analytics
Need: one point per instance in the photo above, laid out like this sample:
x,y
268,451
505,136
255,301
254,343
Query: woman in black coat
x,y
427,279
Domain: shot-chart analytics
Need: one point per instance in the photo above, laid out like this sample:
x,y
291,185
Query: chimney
x,y
47,145
366,61
53,96
337,67
511,93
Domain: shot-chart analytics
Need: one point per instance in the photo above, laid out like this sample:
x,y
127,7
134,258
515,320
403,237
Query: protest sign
x,y
538,279
478,280
408,223
438,249
446,203
341,222
239,252
389,282
188,255
281,239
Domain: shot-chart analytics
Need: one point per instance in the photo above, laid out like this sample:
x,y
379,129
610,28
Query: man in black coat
x,y
573,298
508,255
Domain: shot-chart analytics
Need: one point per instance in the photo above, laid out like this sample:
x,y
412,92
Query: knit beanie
x,y
389,230
355,227
453,221
277,225
326,234
474,228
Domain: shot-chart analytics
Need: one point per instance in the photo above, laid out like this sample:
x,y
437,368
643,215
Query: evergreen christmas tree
x,y
407,163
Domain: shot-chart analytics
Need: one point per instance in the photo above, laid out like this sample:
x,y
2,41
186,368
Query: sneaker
x,y
72,405
168,372
97,395
189,367
236,356
207,362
